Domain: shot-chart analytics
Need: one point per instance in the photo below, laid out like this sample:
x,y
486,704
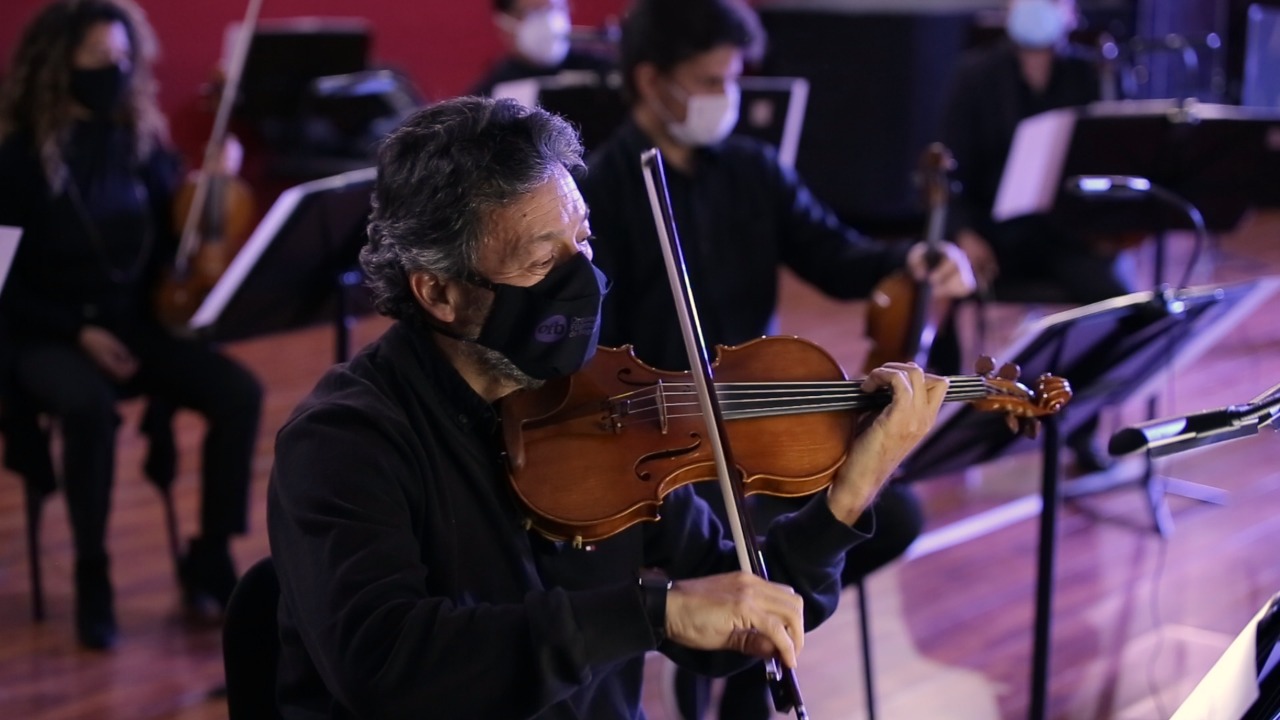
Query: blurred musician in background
x,y
992,91
537,38
86,171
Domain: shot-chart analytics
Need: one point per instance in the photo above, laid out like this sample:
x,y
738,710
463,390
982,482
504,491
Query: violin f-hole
x,y
664,455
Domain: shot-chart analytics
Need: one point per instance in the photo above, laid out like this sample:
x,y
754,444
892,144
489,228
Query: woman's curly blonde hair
x,y
36,96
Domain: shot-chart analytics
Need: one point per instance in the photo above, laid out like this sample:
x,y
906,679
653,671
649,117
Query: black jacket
x,y
411,588
741,216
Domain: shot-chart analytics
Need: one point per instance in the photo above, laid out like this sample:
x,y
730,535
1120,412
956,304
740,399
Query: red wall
x,y
443,45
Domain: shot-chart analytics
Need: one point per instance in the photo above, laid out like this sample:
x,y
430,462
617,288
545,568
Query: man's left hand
x,y
952,277
879,445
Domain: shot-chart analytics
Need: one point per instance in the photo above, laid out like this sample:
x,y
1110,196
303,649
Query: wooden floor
x,y
1138,620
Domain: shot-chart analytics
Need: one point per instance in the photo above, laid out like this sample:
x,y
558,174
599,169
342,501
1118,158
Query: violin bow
x,y
783,682
235,69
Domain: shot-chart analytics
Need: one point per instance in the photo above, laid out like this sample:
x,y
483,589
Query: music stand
x,y
298,268
1220,158
1109,351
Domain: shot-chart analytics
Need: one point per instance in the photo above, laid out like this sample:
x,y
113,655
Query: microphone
x,y
1111,186
1170,435
1231,421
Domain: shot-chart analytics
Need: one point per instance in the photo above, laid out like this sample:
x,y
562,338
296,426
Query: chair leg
x,y
171,524
34,506
865,626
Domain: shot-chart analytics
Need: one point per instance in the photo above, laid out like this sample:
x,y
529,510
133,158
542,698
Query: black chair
x,y
251,644
27,438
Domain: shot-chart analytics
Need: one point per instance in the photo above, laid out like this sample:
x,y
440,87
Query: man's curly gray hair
x,y
441,175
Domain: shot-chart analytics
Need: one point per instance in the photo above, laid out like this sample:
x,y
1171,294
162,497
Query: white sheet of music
x,y
1033,169
523,91
1231,685
9,237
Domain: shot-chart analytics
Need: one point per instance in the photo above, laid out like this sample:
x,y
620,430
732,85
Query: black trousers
x,y
63,381
1037,252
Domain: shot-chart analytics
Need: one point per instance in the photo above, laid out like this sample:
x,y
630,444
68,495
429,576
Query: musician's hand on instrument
x,y
981,257
108,353
950,277
876,452
230,157
737,611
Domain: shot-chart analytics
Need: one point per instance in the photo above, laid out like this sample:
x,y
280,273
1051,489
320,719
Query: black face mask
x,y
549,329
99,90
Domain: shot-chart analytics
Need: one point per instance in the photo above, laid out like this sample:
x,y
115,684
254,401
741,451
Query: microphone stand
x,y
1132,187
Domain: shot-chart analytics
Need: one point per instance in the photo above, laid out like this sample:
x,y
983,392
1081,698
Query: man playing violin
x,y
411,586
742,215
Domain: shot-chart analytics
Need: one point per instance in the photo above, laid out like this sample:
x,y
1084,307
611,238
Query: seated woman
x,y
85,171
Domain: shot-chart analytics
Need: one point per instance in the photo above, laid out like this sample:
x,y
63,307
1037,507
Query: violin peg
x,y
985,365
1054,392
1009,371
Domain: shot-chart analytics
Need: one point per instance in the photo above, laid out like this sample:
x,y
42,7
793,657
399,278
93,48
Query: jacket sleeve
x,y
25,203
353,577
804,550
813,242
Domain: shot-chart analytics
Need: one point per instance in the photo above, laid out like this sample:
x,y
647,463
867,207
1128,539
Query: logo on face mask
x,y
1037,23
548,329
708,119
552,329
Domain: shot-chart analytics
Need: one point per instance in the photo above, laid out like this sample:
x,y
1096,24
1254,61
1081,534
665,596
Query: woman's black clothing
x,y
90,255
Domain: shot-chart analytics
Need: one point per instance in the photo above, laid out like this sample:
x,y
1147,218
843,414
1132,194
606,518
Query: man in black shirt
x,y
993,90
536,35
411,586
741,216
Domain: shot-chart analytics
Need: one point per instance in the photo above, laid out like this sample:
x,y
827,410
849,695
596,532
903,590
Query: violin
x,y
213,211
595,453
903,316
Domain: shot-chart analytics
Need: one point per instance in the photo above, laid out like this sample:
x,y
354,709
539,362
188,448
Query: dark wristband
x,y
653,594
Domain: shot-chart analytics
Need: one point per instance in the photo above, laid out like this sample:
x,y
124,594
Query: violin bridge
x,y
660,397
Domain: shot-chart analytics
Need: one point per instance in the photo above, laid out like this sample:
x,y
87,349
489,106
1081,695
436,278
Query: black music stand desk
x,y
1220,158
1109,351
298,268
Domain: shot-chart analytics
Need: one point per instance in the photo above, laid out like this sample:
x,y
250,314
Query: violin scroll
x,y
1020,405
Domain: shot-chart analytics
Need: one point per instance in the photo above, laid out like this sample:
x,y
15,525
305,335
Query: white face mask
x,y
708,119
542,37
1036,23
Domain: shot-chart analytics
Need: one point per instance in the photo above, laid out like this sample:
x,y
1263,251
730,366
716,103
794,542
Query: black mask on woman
x,y
549,329
99,90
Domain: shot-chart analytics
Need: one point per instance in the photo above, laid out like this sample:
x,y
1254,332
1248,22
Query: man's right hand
x,y
108,353
737,611
981,257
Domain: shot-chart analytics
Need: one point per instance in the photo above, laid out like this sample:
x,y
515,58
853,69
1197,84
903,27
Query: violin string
x,y
964,388
729,392
850,388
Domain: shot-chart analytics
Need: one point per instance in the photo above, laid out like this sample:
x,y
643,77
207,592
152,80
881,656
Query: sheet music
x,y
1033,170
523,91
9,237
1231,685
